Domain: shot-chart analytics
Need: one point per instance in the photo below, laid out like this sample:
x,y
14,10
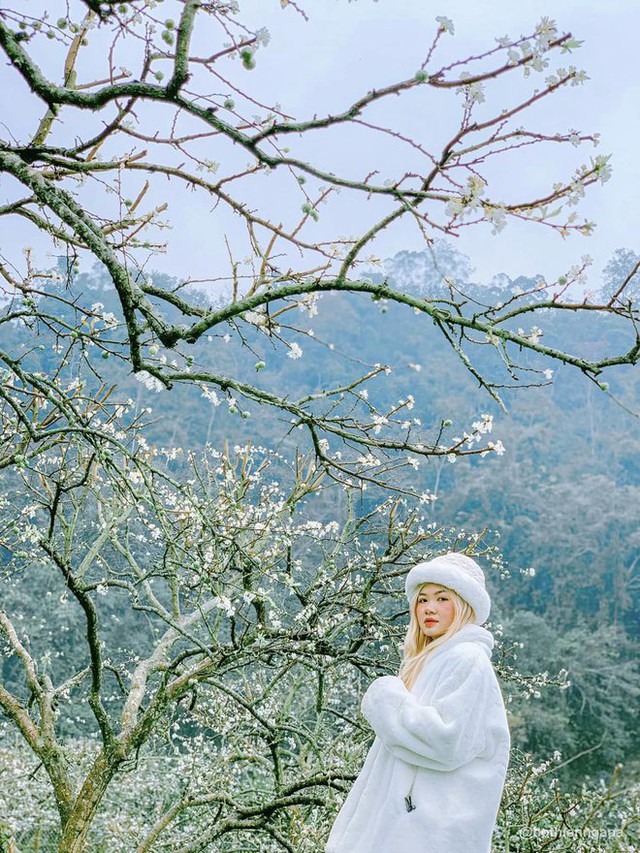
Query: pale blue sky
x,y
347,48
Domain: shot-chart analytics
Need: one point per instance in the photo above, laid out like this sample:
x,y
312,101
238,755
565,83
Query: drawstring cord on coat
x,y
407,800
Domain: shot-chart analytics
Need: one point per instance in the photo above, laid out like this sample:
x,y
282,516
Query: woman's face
x,y
434,610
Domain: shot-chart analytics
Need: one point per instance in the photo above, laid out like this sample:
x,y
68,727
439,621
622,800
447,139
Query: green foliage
x,y
594,716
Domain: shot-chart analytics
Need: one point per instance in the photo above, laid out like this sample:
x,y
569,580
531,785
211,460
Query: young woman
x,y
433,778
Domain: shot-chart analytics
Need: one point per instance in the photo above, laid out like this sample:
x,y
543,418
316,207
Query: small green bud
x,y
573,44
421,76
247,59
447,423
170,24
105,355
233,410
168,37
229,104
62,23
159,75
246,415
310,211
259,365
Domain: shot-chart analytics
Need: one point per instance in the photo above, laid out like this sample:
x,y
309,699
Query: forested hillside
x,y
561,502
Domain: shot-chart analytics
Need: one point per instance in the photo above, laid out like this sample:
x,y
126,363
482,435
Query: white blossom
x,y
149,381
484,425
546,31
263,36
369,460
309,304
210,395
446,24
223,602
378,422
497,217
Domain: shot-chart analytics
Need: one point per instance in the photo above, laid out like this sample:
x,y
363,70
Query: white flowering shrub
x,y
537,814
211,628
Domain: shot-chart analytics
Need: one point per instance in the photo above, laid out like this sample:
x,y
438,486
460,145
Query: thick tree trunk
x,y
76,828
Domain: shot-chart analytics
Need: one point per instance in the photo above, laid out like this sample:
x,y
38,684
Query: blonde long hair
x,y
417,647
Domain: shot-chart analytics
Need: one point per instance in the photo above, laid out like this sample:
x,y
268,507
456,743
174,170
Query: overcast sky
x,y
345,49
348,47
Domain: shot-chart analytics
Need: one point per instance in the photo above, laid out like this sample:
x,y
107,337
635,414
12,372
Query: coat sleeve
x,y
447,732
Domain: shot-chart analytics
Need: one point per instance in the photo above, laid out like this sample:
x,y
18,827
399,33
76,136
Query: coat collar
x,y
468,634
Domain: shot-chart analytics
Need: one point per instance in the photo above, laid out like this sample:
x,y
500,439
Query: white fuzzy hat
x,y
457,572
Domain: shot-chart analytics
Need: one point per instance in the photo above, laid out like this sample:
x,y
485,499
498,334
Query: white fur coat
x,y
441,751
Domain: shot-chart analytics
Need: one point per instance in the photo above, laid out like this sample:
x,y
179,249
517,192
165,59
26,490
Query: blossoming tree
x,y
212,619
197,641
94,175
